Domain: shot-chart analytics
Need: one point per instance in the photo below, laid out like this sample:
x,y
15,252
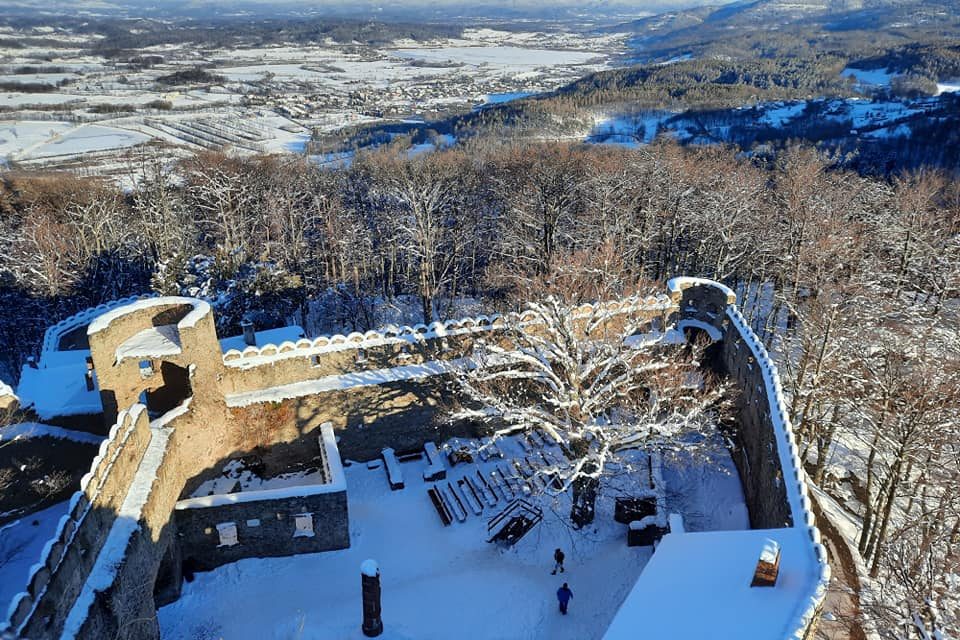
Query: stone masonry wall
x,y
756,454
69,557
265,528
767,457
367,418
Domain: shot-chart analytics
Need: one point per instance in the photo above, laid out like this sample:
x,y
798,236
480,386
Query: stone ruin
x,y
180,408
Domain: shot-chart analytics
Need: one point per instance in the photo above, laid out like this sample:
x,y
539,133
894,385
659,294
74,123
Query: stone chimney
x,y
768,566
249,335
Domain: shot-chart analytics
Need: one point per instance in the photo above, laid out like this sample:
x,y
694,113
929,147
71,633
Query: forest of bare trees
x,y
852,281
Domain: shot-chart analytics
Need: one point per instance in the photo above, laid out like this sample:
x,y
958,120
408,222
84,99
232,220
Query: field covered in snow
x,y
440,582
262,98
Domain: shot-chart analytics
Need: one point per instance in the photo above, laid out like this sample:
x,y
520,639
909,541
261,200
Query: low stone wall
x,y
68,558
265,528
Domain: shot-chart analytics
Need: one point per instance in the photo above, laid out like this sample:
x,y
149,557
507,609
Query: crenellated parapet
x,y
68,558
767,457
396,346
77,322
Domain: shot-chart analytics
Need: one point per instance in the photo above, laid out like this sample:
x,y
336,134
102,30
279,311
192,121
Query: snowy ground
x,y
869,78
440,582
21,543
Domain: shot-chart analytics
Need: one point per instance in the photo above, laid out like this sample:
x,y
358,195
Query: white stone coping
x,y
254,356
53,333
678,284
794,477
199,310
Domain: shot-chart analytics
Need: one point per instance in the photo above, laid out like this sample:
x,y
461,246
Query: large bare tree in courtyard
x,y
597,382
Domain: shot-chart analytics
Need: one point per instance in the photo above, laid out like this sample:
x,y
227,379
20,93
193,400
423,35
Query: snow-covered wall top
x,y
51,338
678,284
400,334
199,310
53,559
795,478
791,466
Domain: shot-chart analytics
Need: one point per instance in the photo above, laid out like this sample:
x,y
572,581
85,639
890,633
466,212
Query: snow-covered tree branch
x,y
593,384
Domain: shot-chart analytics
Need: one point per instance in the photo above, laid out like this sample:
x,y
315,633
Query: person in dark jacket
x,y
557,562
563,596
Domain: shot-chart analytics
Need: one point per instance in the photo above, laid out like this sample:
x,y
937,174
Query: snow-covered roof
x,y
58,391
697,586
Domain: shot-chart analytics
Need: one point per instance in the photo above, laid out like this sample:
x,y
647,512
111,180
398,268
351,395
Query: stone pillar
x,y
370,587
249,335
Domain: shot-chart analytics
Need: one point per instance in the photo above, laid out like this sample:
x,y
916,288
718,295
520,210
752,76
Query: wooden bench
x,y
394,475
456,505
488,492
442,510
469,493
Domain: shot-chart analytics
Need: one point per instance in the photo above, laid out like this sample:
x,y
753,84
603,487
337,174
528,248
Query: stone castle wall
x,y
68,558
265,528
282,394
756,454
766,455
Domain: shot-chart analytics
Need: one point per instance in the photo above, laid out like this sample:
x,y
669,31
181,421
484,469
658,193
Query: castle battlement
x,y
181,407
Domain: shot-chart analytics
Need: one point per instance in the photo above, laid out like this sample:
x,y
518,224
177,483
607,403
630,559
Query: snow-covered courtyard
x,y
439,582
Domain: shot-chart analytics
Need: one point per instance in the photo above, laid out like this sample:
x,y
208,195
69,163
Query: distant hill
x,y
831,14
767,28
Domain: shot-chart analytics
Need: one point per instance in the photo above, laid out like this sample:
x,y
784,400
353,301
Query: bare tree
x,y
592,385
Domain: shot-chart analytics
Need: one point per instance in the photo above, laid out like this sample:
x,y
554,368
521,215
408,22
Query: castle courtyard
x,y
438,580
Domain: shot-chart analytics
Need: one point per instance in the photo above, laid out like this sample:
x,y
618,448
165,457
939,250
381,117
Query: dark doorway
x,y
175,389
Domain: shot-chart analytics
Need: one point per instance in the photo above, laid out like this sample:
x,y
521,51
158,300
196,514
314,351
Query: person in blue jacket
x,y
563,595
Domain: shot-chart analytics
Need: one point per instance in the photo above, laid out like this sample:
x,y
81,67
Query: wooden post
x,y
370,588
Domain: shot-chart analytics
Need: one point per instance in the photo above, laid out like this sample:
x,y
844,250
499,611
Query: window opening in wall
x,y
228,534
303,525
146,368
361,356
404,353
